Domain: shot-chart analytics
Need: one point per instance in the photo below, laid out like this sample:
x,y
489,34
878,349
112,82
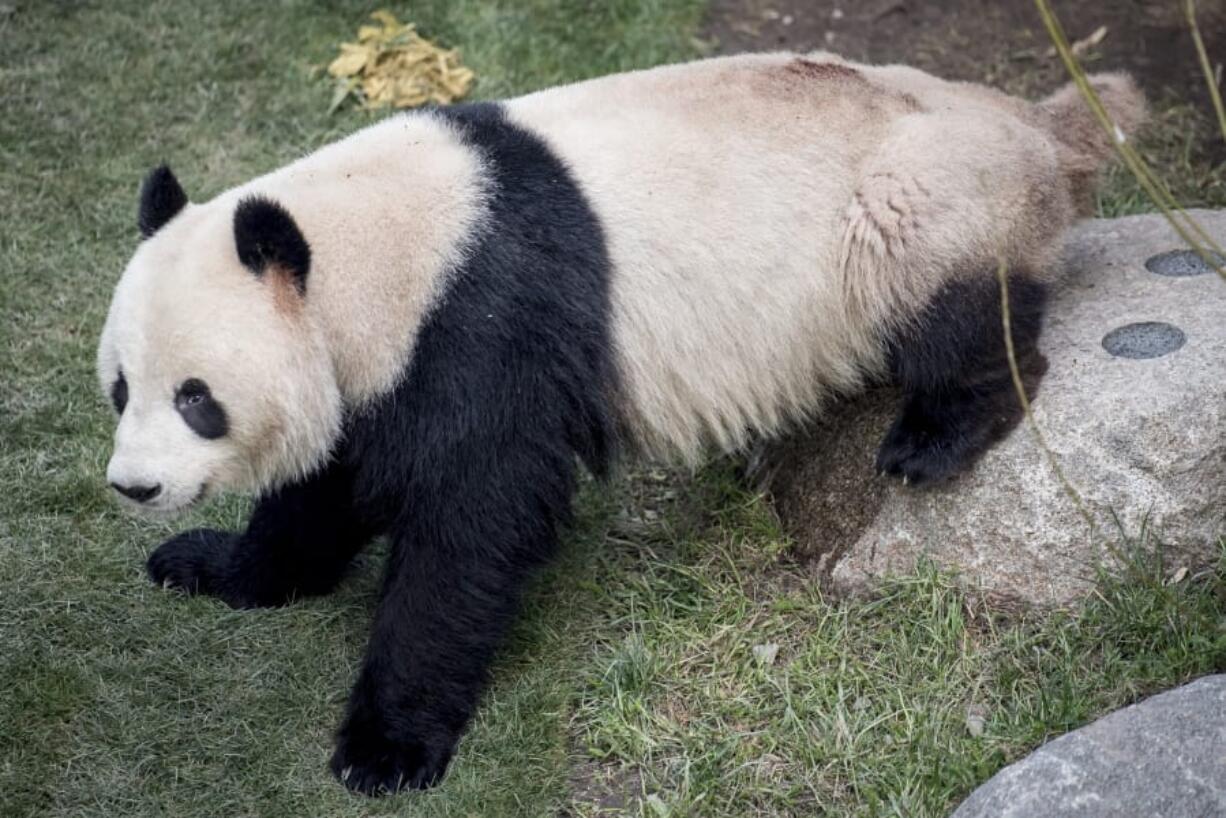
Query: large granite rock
x,y
1140,430
1162,758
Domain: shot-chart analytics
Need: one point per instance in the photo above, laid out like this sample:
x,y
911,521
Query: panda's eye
x,y
119,393
192,391
199,410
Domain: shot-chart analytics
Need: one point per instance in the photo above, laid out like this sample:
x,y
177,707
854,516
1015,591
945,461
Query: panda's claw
x,y
916,461
369,762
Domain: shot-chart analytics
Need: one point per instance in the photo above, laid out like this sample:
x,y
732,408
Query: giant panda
x,y
425,329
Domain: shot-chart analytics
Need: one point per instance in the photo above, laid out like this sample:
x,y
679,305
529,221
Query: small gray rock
x,y
1182,263
1162,758
1133,405
1145,339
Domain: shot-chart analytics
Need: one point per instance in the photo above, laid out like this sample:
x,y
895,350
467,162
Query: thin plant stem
x,y
1020,387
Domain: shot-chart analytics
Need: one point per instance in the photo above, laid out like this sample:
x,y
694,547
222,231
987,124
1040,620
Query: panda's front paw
x,y
369,761
193,562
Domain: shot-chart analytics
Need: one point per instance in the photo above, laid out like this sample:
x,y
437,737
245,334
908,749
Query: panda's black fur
x,y
161,198
468,465
265,236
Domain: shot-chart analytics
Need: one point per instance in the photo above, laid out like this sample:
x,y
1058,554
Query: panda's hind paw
x,y
918,462
925,447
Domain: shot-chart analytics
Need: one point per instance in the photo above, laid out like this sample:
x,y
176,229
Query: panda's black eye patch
x,y
200,411
119,393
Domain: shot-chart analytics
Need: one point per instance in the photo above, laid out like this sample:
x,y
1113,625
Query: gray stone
x,y
1147,339
1180,263
1141,436
1162,758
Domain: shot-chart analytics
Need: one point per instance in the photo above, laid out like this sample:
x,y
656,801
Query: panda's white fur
x,y
416,330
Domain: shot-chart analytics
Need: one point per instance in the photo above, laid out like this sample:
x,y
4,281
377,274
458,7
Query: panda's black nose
x,y
141,494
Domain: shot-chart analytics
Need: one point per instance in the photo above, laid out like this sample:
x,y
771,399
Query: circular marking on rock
x,y
1146,339
1181,263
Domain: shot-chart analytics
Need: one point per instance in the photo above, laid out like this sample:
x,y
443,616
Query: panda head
x,y
211,355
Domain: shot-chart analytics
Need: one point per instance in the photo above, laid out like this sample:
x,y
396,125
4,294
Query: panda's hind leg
x,y
923,237
951,363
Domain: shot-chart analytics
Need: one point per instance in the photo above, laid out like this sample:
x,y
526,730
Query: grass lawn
x,y
674,663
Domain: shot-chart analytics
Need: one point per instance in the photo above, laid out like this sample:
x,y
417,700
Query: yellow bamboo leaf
x,y
386,17
373,86
347,64
343,90
391,64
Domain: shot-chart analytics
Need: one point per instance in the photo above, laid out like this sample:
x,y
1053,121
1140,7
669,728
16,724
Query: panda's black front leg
x,y
298,542
452,589
444,612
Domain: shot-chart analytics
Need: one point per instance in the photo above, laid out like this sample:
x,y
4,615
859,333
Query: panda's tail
x,y
1086,142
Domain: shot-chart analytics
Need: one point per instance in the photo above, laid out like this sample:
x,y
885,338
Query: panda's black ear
x,y
161,199
267,237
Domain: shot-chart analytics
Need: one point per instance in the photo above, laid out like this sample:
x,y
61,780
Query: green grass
x,y
864,709
1183,147
632,684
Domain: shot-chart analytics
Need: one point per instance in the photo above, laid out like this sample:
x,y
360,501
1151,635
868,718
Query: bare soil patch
x,y
997,41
